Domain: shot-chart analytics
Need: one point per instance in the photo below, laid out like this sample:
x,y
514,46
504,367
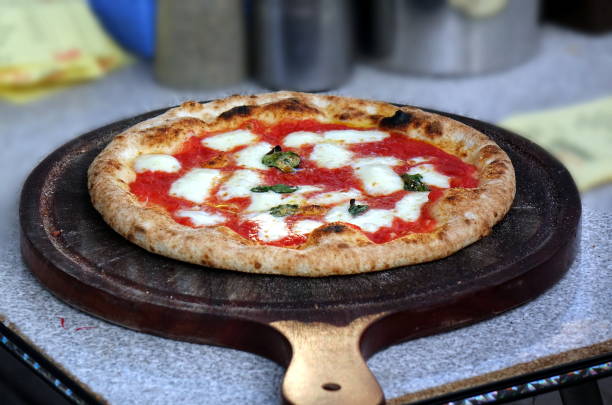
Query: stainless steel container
x,y
454,37
303,45
200,44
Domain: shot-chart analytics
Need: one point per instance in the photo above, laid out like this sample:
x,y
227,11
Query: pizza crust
x,y
463,215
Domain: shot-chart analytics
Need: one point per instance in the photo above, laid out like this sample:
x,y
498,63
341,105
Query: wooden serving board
x,y
322,328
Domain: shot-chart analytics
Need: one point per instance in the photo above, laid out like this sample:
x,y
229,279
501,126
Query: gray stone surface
x,y
126,367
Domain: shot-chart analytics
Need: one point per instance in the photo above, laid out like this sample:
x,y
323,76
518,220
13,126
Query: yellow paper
x,y
580,136
46,45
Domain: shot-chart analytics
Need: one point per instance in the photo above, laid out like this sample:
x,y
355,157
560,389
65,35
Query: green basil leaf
x,y
355,209
283,210
284,161
260,189
283,188
414,182
277,188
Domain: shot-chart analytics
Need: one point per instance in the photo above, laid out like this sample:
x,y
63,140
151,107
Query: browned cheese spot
x,y
217,162
342,246
312,210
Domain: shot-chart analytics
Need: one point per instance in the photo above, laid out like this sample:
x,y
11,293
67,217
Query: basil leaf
x,y
284,161
414,182
355,209
277,188
283,188
260,189
283,210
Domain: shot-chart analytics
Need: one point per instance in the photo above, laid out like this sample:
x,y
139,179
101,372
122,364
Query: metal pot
x,y
303,45
453,37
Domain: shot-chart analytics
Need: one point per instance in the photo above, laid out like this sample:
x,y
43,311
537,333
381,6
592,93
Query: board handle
x,y
327,366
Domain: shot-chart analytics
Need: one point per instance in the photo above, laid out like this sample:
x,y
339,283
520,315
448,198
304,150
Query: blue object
x,y
130,22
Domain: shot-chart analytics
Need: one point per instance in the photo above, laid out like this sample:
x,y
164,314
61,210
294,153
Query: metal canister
x,y
303,45
454,37
200,44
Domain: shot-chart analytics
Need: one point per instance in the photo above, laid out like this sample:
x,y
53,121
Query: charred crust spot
x,y
342,246
138,229
433,129
349,114
240,111
190,105
417,122
252,96
467,221
398,120
257,265
488,151
292,105
334,228
496,169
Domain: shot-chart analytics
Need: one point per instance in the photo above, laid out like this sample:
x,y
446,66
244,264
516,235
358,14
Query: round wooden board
x,y
84,262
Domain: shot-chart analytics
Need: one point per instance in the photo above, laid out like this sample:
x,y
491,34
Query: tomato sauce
x,y
153,187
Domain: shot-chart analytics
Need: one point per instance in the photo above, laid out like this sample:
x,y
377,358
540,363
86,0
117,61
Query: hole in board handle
x,y
331,386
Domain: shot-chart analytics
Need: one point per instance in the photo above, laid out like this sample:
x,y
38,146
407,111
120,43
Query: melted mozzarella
x,y
330,156
251,156
195,185
201,218
156,163
264,201
370,221
270,228
378,160
307,189
305,226
239,185
229,140
354,136
334,197
431,176
297,139
379,179
409,207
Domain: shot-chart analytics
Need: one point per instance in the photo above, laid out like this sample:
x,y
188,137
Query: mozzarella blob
x,y
370,221
334,197
409,207
196,185
379,179
305,226
330,156
239,185
270,228
201,218
156,163
229,140
251,156
301,138
431,176
354,136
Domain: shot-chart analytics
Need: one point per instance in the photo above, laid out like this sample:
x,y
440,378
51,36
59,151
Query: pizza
x,y
301,184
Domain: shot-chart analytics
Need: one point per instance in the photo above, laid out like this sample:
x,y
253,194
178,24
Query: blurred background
x,y
540,68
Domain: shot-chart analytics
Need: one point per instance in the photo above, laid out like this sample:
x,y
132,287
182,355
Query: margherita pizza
x,y
301,184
